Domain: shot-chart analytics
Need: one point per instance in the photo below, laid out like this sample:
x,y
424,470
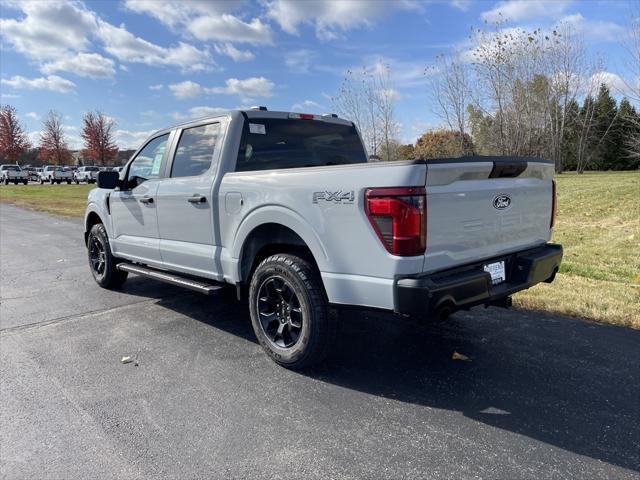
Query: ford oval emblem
x,y
502,202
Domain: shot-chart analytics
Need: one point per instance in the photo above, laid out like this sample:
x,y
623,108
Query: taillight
x,y
399,217
554,203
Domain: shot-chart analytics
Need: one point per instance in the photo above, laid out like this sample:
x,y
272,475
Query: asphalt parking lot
x,y
542,396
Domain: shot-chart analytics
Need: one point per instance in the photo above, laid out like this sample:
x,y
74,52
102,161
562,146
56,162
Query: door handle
x,y
196,198
146,199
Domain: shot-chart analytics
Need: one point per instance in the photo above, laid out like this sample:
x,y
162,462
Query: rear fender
x,y
285,217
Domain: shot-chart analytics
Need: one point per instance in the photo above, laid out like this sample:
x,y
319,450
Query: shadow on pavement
x,y
565,382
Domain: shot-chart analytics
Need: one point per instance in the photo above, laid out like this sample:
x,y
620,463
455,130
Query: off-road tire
x,y
109,276
317,330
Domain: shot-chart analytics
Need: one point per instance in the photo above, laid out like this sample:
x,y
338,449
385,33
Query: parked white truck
x,y
286,207
55,174
86,174
11,173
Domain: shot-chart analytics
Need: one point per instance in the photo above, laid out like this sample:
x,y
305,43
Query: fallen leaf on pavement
x,y
460,356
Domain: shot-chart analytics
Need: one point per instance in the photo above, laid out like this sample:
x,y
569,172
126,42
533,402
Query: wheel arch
x,y
268,239
92,218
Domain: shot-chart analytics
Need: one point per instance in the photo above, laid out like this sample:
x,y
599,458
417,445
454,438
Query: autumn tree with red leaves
x,y
53,145
98,138
13,139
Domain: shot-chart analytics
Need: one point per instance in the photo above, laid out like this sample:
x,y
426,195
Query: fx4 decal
x,y
334,197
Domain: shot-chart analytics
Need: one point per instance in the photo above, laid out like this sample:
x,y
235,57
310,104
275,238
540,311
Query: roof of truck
x,y
254,113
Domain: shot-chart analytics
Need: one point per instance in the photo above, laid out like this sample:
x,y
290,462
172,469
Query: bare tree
x,y
632,47
53,145
450,93
367,98
384,98
567,68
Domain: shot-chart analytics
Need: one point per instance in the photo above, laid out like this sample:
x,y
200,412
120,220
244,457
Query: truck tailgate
x,y
483,207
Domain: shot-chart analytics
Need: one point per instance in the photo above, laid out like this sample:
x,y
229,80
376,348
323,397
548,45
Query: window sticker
x,y
257,128
157,161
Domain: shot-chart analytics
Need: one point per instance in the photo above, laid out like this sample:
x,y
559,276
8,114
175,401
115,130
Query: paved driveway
x,y
542,397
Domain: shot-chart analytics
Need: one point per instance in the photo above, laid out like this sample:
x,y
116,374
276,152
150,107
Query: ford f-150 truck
x,y
86,174
55,174
286,207
13,173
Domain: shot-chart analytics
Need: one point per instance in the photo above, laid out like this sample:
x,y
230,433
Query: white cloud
x,y
186,89
519,10
59,35
306,106
300,61
197,112
229,28
126,47
331,17
157,87
237,55
53,83
175,12
246,89
33,115
91,65
595,29
49,30
130,139
462,5
616,84
205,20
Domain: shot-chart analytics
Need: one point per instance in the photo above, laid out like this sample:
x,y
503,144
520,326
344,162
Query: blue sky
x,y
149,63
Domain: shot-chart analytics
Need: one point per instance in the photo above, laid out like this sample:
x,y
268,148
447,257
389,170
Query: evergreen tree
x,y
627,127
605,119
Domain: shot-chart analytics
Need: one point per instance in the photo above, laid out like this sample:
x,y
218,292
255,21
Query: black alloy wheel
x,y
97,256
280,313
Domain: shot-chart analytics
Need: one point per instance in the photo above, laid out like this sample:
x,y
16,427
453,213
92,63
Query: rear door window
x,y
269,143
195,150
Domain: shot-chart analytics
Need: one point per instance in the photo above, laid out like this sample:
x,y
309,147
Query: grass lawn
x,y
63,199
598,224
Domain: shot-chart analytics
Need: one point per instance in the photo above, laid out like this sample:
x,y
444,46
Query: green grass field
x,y
598,224
63,199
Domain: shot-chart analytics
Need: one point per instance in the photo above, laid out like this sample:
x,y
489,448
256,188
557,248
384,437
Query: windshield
x,y
91,169
13,168
268,144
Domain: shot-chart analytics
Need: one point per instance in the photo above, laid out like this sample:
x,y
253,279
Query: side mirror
x,y
108,180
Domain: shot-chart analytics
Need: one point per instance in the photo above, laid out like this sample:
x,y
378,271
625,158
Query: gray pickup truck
x,y
286,207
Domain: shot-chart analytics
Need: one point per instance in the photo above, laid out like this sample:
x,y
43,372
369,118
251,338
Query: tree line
x,y
514,92
52,146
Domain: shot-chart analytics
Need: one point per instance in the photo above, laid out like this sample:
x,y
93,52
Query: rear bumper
x,y
464,287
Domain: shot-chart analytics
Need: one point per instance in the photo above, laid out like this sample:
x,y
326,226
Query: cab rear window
x,y
269,144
